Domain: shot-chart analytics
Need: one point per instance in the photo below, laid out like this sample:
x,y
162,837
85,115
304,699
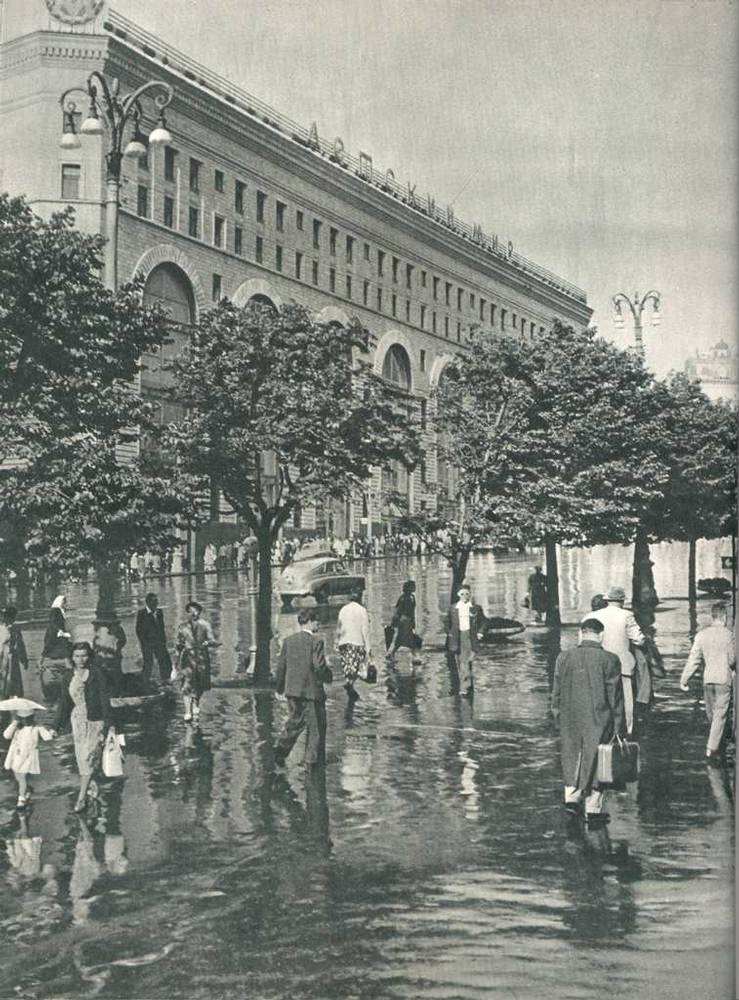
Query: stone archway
x,y
167,253
439,364
256,286
331,314
388,340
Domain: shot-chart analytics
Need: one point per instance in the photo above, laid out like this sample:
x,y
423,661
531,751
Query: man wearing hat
x,y
194,642
153,639
620,629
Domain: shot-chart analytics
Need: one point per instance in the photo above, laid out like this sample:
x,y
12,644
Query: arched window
x,y
396,367
263,302
169,287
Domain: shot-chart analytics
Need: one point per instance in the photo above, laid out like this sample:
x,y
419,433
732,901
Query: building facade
x,y
717,371
246,204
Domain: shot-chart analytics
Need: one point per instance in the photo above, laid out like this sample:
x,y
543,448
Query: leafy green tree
x,y
69,409
275,390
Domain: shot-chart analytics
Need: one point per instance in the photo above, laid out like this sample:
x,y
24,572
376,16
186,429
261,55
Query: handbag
x,y
370,673
113,754
618,762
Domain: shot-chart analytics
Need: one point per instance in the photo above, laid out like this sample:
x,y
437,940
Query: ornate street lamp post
x,y
637,306
117,113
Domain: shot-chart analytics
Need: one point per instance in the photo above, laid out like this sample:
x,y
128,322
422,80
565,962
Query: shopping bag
x,y
618,762
113,754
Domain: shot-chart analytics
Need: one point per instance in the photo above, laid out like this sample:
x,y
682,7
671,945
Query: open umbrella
x,y
21,705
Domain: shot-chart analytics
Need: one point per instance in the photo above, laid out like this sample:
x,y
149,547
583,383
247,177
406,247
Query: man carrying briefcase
x,y
588,706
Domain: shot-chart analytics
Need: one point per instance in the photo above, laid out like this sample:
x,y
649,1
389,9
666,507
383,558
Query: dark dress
x,y
12,660
538,592
404,621
56,646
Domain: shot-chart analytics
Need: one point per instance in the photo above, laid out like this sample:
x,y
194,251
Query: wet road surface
x,y
430,860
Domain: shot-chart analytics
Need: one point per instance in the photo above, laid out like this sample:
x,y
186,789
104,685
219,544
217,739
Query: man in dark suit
x,y
153,639
465,622
301,674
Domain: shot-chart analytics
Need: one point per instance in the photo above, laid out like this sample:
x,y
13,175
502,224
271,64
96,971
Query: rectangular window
x,y
460,293
298,263
472,300
299,220
433,322
168,211
366,251
503,315
493,307
261,202
218,181
423,317
332,279
446,326
143,161
280,216
423,471
239,192
142,201
278,257
422,361
365,292
482,309
513,321
349,249
409,275
170,156
541,331
317,234
314,272
348,286
195,166
396,265
435,286
448,292
70,181
332,236
193,226
238,240
424,416
394,305
423,279
218,226
407,310
459,331
216,293
380,262
259,250
379,300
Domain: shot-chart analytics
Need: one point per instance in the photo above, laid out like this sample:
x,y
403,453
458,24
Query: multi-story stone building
x,y
717,371
246,204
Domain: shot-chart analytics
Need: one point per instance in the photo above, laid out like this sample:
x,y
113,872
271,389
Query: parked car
x,y
320,577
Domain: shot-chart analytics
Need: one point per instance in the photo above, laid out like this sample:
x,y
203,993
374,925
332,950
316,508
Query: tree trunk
x,y
459,569
264,606
643,592
107,580
553,618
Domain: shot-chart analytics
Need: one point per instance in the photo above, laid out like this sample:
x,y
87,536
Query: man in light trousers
x,y
620,628
714,648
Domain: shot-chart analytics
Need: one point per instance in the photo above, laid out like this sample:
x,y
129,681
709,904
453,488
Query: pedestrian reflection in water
x,y
310,821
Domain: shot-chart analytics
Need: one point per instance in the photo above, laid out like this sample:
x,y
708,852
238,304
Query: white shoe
x,y
188,718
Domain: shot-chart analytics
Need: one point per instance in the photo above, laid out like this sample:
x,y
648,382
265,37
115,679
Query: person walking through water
x,y
714,649
538,593
464,623
57,638
588,708
301,673
353,642
195,640
153,639
620,629
404,621
13,655
22,757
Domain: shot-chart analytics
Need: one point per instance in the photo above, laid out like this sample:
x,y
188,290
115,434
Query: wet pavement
x,y
430,860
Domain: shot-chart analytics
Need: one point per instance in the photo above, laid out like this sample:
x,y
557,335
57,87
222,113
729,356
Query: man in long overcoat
x,y
588,705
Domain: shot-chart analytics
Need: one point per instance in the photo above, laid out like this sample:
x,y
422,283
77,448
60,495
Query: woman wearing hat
x,y
195,640
85,704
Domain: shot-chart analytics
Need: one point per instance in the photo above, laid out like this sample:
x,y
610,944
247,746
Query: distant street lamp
x,y
637,306
118,112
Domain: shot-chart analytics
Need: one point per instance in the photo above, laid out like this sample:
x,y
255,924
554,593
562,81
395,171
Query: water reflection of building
x,y
717,371
249,205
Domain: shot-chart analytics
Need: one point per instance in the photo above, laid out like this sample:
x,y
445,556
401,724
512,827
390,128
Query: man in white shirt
x,y
620,629
464,624
353,643
714,648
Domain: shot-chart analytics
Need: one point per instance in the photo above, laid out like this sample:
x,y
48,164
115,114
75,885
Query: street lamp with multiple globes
x,y
637,306
117,112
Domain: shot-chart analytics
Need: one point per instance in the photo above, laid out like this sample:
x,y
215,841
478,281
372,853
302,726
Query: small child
x,y
22,756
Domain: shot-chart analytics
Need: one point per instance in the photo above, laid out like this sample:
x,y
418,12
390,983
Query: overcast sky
x,y
600,136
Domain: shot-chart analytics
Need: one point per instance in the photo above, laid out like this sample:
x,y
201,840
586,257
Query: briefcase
x,y
618,762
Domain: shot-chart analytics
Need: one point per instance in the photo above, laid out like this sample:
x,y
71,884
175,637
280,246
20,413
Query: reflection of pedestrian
x,y
85,704
195,640
620,629
714,648
353,642
153,639
464,623
301,674
587,704
538,593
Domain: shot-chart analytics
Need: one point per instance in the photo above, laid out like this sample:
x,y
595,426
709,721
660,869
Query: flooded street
x,y
432,859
